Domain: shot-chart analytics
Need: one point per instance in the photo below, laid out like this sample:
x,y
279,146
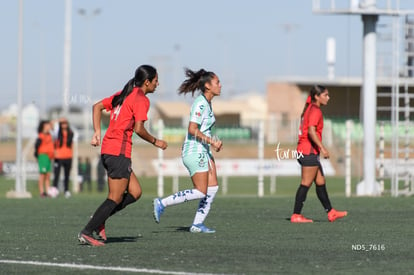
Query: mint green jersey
x,y
202,114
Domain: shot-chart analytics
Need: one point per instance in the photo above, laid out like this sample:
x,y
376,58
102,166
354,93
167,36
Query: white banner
x,y
243,167
31,169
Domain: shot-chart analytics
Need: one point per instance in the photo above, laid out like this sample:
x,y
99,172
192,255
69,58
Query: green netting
x,y
339,130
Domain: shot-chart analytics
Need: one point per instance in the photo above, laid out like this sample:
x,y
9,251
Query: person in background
x,y
100,177
86,174
196,153
44,153
81,165
84,171
63,154
310,146
129,111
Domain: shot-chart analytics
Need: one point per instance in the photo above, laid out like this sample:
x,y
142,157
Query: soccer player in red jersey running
x,y
310,146
129,109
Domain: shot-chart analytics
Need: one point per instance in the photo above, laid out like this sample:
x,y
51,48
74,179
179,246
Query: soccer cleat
x,y
87,239
298,218
67,194
334,215
101,232
158,209
201,228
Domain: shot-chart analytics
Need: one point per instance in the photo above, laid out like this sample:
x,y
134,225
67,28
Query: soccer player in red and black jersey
x,y
310,147
129,109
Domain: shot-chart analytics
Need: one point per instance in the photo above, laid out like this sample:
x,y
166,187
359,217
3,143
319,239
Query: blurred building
x,y
345,93
8,119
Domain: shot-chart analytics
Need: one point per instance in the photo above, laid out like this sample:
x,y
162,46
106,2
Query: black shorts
x,y
310,160
118,167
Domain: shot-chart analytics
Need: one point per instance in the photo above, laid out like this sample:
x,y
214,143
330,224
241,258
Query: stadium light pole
x,y
88,16
20,186
177,68
89,84
19,141
289,28
67,47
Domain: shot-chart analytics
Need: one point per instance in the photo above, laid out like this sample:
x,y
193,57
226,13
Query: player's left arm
x,y
143,133
315,118
315,139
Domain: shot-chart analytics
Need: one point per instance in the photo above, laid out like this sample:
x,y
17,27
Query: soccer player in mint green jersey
x,y
196,153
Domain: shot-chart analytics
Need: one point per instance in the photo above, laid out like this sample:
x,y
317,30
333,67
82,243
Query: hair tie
x,y
309,99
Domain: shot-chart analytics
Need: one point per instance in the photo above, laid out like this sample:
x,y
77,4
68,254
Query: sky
x,y
245,43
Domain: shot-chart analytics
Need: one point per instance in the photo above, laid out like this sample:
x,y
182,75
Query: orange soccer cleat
x,y
87,239
298,218
101,232
335,214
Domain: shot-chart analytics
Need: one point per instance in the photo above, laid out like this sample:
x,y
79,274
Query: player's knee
x,y
136,194
117,198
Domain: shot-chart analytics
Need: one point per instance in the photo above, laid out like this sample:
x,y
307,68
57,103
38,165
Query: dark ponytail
x,y
143,73
195,81
315,90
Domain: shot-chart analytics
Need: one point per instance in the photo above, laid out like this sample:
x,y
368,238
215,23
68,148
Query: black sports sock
x,y
127,199
100,216
323,197
300,198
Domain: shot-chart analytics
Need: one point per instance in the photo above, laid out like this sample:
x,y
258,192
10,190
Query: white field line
x,y
95,267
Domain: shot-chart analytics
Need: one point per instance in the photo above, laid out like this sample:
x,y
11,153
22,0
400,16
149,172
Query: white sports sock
x,y
205,205
182,196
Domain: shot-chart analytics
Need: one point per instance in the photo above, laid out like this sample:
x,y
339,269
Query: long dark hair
x,y
315,90
41,126
69,136
143,73
195,81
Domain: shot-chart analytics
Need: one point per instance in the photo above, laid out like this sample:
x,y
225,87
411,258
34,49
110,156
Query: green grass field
x,y
254,235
